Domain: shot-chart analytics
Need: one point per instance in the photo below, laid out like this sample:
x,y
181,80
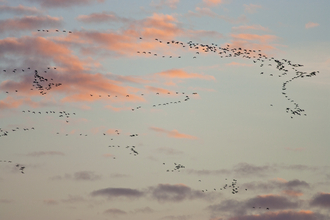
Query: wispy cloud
x,y
19,10
50,202
161,193
311,25
168,151
205,11
256,27
159,4
251,8
238,64
174,133
175,193
118,192
45,153
101,17
64,3
29,23
181,74
79,176
212,2
115,212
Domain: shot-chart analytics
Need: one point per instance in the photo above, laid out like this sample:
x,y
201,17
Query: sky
x,y
164,110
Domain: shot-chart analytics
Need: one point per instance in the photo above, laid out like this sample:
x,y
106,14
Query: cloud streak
x,y
173,134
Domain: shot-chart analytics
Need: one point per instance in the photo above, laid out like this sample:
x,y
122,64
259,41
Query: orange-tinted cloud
x,y
257,27
161,26
283,215
181,74
101,17
29,23
72,71
292,193
212,2
311,25
158,90
238,64
10,102
173,133
108,155
253,41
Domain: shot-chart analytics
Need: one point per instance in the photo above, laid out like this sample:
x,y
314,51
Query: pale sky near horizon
x,y
164,110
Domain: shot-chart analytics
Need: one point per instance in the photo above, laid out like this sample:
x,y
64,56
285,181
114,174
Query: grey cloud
x,y
168,151
45,153
161,193
86,175
64,3
241,208
274,184
272,202
177,217
78,176
321,200
144,210
174,193
118,192
241,169
114,212
283,215
246,169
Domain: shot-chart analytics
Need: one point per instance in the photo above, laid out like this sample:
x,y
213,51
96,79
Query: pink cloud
x,y
158,90
250,27
101,17
212,2
253,41
50,202
311,25
174,133
283,215
77,86
292,193
64,3
108,155
238,64
29,23
19,10
181,74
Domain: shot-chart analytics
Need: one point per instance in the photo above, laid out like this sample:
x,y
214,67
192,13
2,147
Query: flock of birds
x,y
39,83
282,65
44,84
56,30
18,166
